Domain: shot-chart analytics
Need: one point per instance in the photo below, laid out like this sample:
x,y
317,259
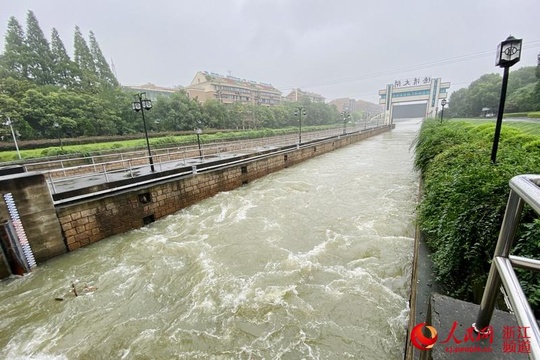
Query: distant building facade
x,y
344,104
298,95
228,90
152,91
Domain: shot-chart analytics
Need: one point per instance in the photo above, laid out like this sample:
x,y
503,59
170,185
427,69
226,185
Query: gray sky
x,y
337,48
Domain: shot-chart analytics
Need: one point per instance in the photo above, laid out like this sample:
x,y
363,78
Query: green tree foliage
x,y
41,85
103,70
177,112
65,72
216,114
85,62
536,97
521,100
485,93
39,58
464,201
15,55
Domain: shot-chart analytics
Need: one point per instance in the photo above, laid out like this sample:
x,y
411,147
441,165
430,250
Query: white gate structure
x,y
418,90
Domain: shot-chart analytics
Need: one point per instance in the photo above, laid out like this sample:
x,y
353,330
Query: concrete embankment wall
x,y
95,219
54,228
25,200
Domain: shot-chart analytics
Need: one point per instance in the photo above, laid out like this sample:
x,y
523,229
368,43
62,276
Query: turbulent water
x,y
312,262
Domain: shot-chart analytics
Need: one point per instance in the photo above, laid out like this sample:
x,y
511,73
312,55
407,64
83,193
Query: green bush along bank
x,y
465,198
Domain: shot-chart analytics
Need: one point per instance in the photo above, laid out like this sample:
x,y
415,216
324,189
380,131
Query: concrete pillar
x,y
37,213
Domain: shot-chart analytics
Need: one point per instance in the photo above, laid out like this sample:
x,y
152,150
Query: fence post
x,y
52,183
105,173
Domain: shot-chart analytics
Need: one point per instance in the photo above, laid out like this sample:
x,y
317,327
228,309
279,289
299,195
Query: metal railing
x,y
97,170
524,189
67,161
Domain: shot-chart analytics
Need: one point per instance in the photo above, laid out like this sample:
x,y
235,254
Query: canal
x,y
312,262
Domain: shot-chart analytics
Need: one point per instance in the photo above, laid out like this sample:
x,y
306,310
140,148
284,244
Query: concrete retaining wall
x,y
37,214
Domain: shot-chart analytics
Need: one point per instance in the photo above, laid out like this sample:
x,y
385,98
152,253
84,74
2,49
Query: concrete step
x,y
452,320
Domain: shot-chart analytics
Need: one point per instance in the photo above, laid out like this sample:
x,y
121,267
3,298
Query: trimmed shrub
x,y
514,115
464,201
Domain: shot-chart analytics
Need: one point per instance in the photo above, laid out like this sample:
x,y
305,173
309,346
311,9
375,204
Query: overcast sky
x,y
337,48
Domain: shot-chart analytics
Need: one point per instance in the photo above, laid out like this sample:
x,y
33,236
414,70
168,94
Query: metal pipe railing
x,y
110,170
186,154
524,189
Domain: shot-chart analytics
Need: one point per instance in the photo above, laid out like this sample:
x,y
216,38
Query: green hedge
x,y
534,114
515,115
101,145
464,200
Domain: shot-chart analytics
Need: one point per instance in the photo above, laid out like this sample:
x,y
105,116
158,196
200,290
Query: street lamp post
x,y
199,132
443,104
57,127
508,54
9,123
142,104
346,116
299,112
366,117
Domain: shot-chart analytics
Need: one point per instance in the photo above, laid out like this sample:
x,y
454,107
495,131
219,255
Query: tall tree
x,y
14,60
39,53
65,71
177,112
84,60
105,75
536,95
460,104
484,92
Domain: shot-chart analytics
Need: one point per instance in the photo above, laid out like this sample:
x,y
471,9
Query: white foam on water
x,y
309,263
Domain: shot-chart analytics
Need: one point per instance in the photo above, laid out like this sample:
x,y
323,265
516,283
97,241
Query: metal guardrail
x,y
524,189
66,161
194,169
132,163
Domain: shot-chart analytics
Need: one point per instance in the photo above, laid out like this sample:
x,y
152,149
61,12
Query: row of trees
x,y
40,85
179,112
29,55
523,94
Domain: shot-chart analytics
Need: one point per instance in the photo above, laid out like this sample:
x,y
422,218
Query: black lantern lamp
x,y
346,117
508,54
56,125
141,104
443,104
299,112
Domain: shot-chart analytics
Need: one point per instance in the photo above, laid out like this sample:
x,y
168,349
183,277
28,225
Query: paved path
x,y
60,185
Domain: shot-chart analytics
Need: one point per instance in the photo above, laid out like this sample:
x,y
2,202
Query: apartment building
x,y
298,95
344,104
230,89
152,91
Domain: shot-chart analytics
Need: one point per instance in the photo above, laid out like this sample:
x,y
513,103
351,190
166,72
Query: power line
x,y
431,64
